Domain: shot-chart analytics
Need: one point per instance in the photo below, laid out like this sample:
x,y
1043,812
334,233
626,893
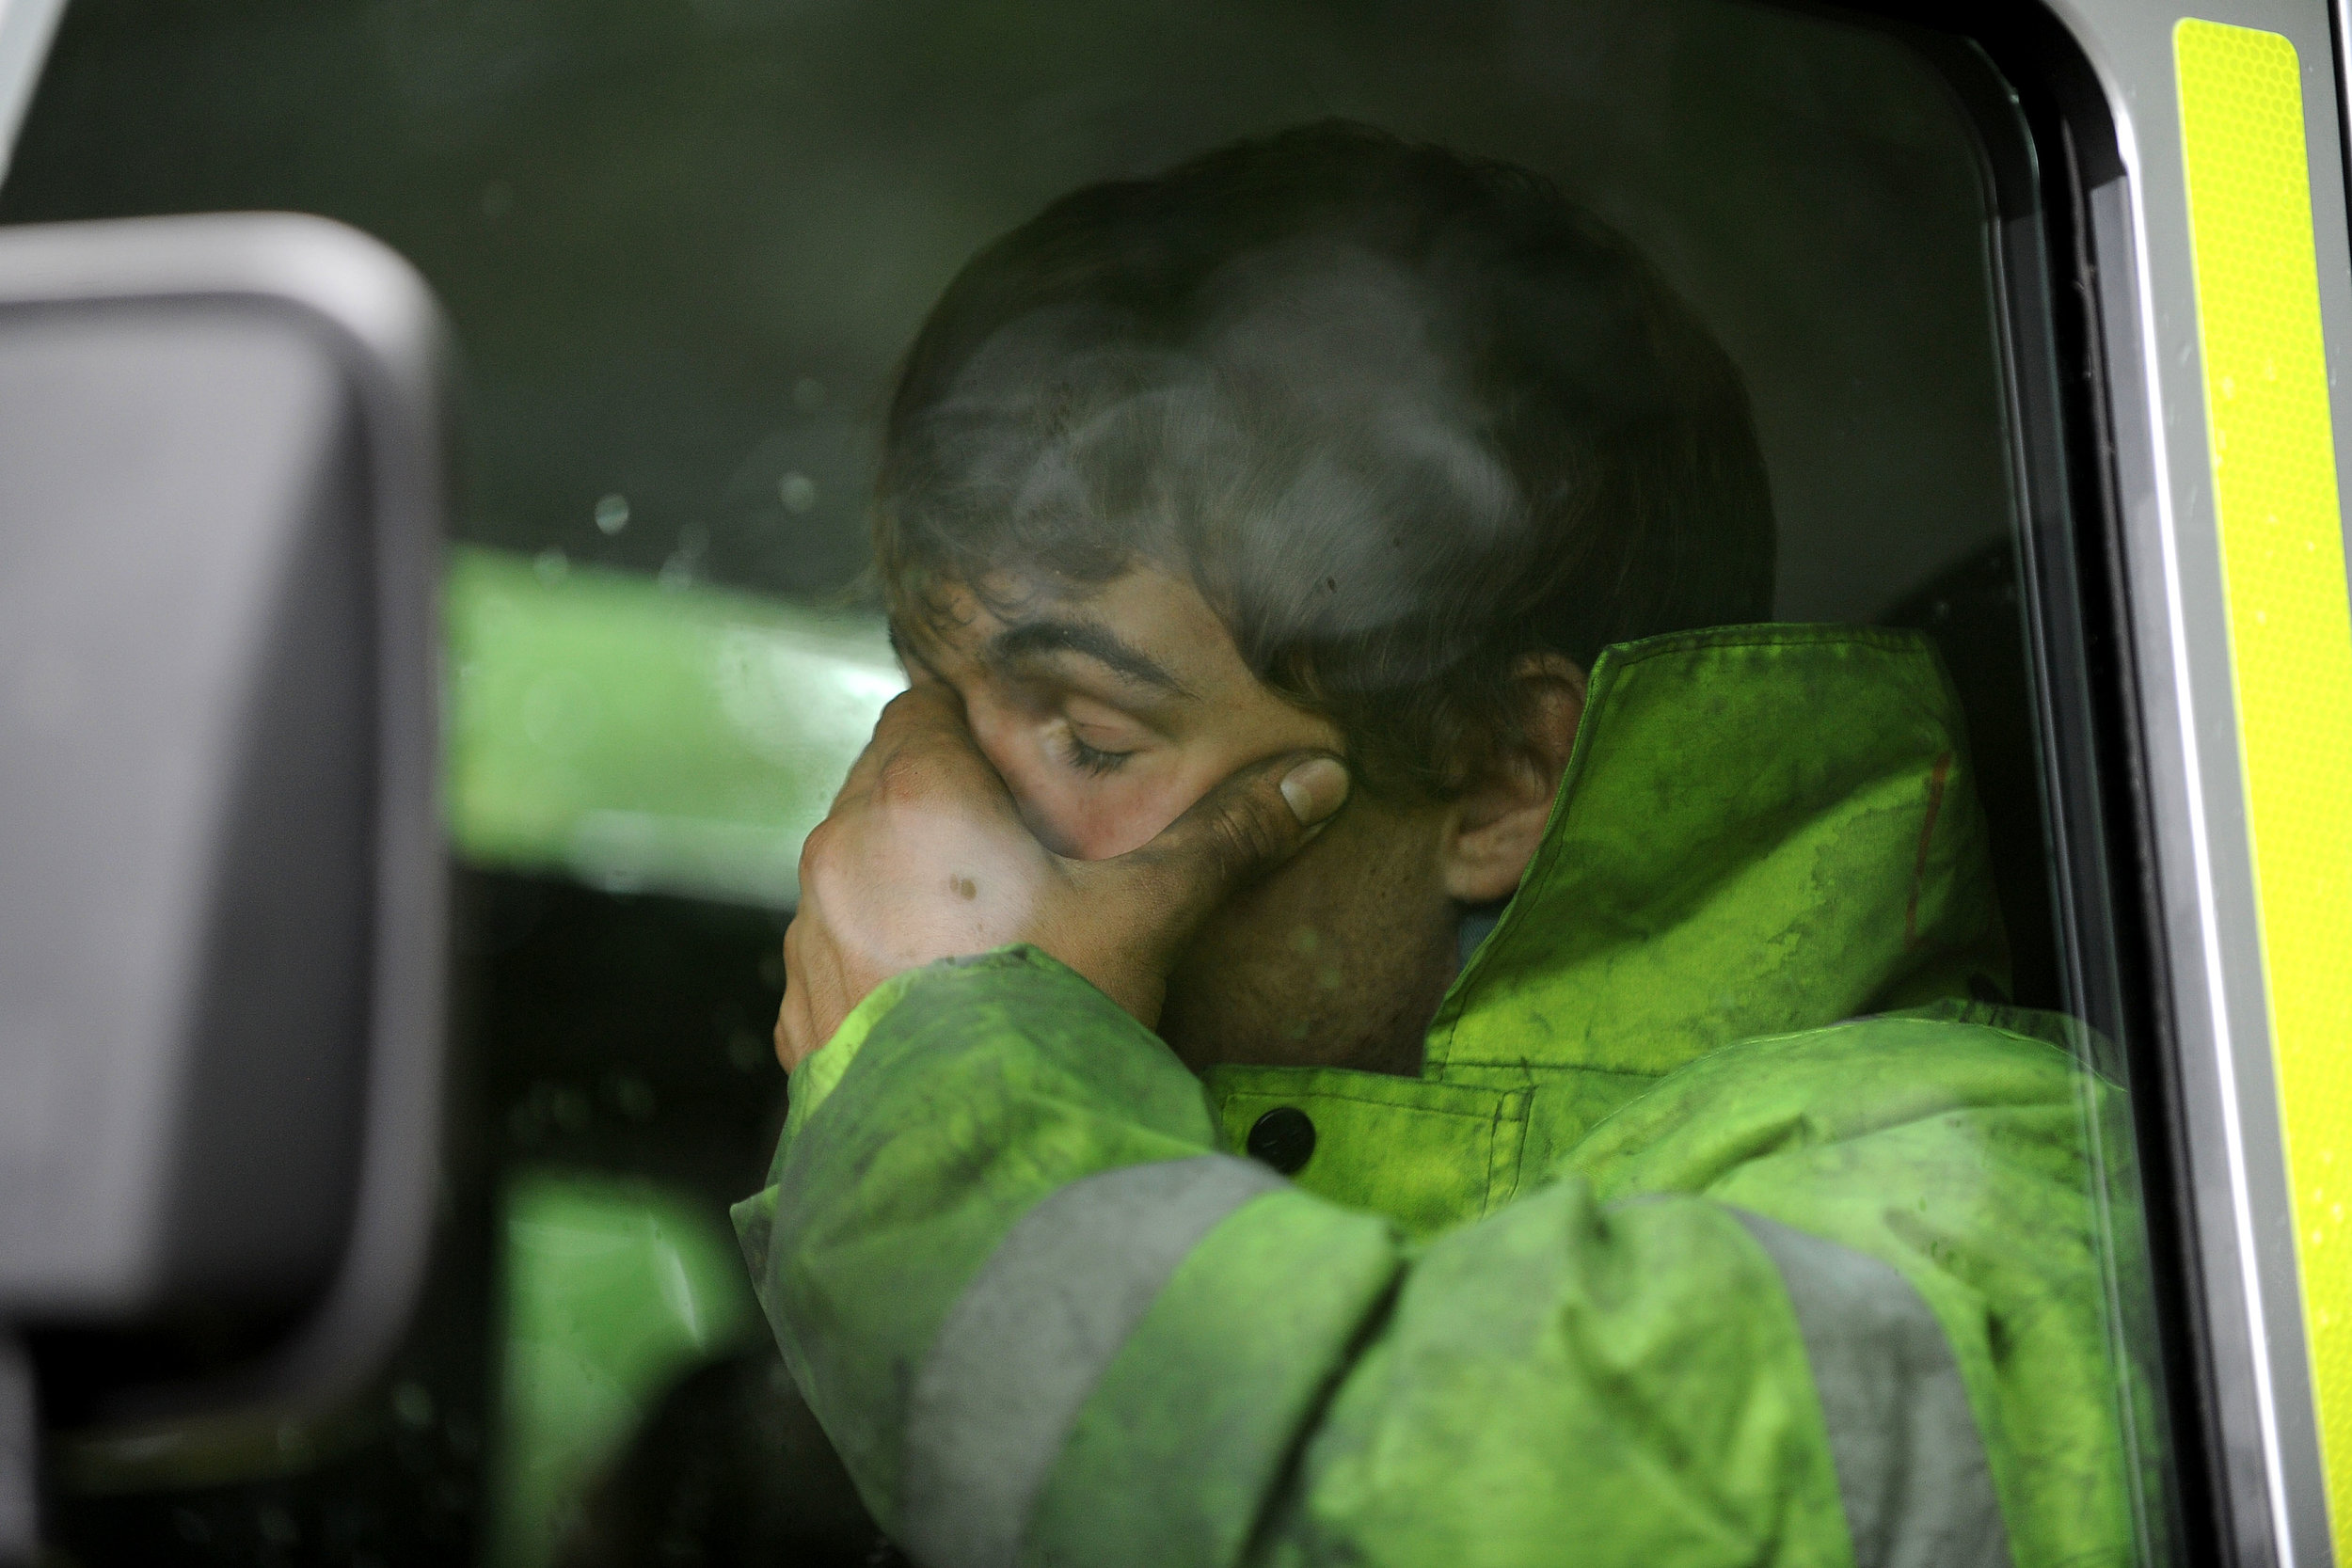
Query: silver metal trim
x,y
2274,1481
26,28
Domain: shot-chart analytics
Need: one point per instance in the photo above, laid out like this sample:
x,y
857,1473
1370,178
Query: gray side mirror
x,y
221,882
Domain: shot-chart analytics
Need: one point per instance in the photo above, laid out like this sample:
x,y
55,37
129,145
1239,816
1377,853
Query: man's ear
x,y
1497,822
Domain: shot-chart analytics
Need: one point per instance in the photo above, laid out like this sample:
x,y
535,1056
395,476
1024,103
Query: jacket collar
x,y
1761,829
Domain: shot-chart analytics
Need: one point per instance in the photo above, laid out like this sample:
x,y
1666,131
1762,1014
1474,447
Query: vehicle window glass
x,y
1547,328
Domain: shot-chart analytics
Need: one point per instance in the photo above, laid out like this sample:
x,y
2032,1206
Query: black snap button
x,y
1283,1138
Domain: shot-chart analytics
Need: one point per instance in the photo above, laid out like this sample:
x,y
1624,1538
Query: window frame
x,y
2145,798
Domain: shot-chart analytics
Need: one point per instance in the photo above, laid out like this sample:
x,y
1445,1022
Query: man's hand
x,y
926,857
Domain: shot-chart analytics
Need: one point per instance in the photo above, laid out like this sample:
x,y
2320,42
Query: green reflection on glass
x,y
640,734
614,1287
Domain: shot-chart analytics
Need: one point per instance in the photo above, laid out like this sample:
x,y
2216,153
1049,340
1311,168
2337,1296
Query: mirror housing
x,y
222,887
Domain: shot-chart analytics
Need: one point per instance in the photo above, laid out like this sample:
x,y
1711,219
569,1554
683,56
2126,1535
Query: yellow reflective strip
x,y
2274,475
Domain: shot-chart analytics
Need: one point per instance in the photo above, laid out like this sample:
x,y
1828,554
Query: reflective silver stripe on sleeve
x,y
1024,1346
1911,1465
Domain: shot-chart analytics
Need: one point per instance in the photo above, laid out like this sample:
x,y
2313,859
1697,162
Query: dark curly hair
x,y
1405,418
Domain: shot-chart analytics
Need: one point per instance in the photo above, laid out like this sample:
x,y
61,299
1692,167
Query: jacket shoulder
x,y
2001,1082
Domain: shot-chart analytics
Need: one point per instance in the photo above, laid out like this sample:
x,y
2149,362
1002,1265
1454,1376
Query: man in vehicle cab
x,y
1364,1006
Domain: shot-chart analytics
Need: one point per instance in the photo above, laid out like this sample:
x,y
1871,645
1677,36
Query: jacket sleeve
x,y
1046,1321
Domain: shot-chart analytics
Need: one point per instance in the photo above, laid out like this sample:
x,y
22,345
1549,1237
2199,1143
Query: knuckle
x,y
911,712
817,851
1271,826
1247,836
790,1036
902,709
905,778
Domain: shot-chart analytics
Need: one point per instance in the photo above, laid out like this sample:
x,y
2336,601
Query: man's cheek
x,y
1042,793
1092,818
1126,812
1102,828
1077,818
1050,823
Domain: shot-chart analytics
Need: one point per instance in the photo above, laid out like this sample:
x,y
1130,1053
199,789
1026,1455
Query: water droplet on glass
x,y
551,567
797,491
611,514
684,561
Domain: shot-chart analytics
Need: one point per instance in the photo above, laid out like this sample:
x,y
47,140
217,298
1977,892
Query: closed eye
x,y
1091,759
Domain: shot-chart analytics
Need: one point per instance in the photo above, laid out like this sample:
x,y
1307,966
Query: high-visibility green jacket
x,y
1720,1227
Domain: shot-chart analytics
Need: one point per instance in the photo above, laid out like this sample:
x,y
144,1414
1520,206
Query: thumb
x,y
1237,832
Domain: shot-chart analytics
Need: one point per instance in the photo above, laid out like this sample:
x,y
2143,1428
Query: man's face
x,y
1108,715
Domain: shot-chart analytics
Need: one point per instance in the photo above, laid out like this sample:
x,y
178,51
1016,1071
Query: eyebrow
x,y
1029,639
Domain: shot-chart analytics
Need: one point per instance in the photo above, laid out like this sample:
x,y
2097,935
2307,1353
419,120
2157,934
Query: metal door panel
x,y
2267,1409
